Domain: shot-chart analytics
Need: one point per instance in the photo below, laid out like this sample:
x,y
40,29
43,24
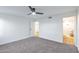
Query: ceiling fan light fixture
x,y
33,10
33,13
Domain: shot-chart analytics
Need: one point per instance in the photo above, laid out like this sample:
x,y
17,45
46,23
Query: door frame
x,y
75,29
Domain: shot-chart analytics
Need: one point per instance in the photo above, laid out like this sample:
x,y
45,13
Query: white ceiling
x,y
47,10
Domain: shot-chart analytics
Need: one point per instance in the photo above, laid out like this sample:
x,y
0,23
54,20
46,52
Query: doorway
x,y
69,30
35,28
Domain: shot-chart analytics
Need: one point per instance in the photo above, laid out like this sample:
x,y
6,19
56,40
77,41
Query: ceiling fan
x,y
34,11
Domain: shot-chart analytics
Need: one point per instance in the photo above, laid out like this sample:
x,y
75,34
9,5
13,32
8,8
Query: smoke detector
x,y
50,17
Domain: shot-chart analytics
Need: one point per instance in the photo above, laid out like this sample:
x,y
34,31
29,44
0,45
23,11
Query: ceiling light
x,y
33,13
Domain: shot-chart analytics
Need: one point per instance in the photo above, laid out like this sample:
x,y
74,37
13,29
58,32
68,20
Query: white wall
x,y
13,28
51,29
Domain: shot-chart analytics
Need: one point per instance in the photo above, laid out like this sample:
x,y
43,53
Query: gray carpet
x,y
36,45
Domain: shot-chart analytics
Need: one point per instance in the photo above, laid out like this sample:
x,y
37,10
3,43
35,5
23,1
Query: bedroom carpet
x,y
37,45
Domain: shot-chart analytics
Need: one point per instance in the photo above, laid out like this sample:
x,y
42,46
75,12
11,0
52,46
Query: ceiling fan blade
x,y
39,13
32,9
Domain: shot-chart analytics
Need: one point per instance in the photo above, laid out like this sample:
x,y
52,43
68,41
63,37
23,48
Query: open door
x,y
69,30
